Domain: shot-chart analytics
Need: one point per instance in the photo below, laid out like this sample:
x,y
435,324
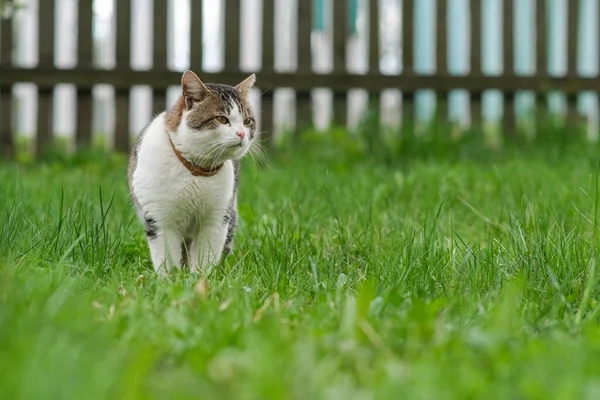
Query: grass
x,y
418,269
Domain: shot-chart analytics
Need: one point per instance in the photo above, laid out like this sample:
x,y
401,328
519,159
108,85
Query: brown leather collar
x,y
195,169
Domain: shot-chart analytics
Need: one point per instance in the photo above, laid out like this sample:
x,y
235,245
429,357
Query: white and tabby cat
x,y
184,171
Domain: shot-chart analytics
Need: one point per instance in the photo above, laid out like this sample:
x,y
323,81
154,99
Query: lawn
x,y
434,272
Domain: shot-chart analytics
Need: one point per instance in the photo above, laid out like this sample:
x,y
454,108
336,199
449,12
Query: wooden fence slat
x,y
374,95
541,31
196,38
122,132
267,134
441,41
340,38
85,46
268,64
85,43
475,19
441,58
6,41
232,34
408,14
7,145
305,10
159,29
159,51
541,58
374,35
44,120
572,36
475,58
46,18
509,64
572,43
122,96
508,30
123,52
304,112
268,39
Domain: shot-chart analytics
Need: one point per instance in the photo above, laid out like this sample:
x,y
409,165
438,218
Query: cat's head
x,y
212,123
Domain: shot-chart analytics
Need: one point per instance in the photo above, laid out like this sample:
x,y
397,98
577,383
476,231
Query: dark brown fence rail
x,y
304,80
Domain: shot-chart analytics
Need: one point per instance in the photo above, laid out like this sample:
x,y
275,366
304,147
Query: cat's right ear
x,y
192,89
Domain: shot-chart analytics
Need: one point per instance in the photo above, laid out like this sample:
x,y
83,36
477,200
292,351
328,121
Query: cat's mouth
x,y
236,145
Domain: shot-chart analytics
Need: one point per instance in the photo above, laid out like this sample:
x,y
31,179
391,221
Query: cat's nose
x,y
241,134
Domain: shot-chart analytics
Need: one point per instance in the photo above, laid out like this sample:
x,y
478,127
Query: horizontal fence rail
x,y
340,79
303,82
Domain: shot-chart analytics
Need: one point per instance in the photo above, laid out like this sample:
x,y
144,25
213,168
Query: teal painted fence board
x,y
425,13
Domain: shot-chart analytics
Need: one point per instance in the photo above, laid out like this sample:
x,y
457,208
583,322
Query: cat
x,y
184,171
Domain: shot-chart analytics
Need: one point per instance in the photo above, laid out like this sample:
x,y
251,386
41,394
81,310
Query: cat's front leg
x,y
208,247
161,243
159,253
194,254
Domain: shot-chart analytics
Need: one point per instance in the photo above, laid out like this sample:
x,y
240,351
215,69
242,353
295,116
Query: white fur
x,y
183,205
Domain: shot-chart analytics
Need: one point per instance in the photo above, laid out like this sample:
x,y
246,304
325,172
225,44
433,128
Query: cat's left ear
x,y
245,86
192,89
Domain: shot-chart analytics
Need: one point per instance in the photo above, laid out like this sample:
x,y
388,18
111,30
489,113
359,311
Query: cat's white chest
x,y
193,202
171,194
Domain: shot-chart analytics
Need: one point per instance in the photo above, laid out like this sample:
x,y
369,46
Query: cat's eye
x,y
222,120
248,121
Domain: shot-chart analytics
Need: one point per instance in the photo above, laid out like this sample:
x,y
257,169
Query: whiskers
x,y
217,152
213,154
258,152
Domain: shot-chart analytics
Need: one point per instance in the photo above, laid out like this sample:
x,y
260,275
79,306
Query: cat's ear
x,y
246,85
193,89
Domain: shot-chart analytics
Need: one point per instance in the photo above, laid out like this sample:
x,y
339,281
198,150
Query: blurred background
x,y
546,49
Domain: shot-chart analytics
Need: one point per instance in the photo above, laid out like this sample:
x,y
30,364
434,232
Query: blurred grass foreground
x,y
365,267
